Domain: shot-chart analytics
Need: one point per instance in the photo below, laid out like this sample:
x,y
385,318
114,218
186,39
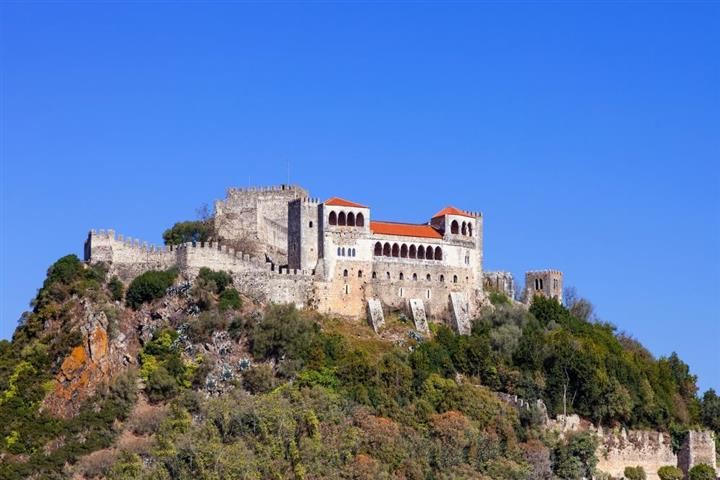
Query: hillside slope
x,y
164,378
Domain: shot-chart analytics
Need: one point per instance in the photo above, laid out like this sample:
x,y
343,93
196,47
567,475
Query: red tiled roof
x,y
340,202
452,211
404,229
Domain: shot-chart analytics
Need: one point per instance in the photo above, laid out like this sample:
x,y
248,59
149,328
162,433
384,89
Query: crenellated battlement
x,y
265,189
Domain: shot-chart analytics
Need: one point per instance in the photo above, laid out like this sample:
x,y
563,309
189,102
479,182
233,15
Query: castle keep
x,y
333,256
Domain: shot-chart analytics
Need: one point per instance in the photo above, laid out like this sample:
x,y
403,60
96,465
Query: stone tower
x,y
548,283
304,230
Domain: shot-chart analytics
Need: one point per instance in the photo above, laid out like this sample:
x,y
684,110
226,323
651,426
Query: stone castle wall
x,y
259,214
647,449
252,276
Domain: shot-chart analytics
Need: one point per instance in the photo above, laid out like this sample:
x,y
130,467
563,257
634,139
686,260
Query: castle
x,y
332,256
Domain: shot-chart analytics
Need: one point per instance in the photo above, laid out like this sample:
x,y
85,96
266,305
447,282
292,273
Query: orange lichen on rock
x,y
74,362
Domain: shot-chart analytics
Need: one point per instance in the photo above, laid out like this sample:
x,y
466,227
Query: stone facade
x,y
331,256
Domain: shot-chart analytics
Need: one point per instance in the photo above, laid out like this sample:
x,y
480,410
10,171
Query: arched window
x,y
403,251
353,252
454,227
537,284
421,252
343,251
359,273
395,250
345,273
470,229
386,250
464,228
341,219
339,251
415,277
428,277
402,276
310,224
438,253
333,218
387,275
413,251
360,220
442,278
454,278
429,253
378,249
351,219
374,275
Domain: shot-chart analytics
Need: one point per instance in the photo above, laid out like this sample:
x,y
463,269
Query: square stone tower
x,y
548,283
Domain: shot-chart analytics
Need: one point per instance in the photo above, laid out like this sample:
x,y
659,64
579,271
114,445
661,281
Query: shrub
x,y
497,298
229,300
217,279
702,471
259,379
146,420
669,472
149,286
201,329
634,473
184,232
161,385
117,289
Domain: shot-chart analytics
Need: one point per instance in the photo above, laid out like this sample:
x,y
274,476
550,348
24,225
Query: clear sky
x,y
588,135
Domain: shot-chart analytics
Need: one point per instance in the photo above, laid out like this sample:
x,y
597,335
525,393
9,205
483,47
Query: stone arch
x,y
454,228
421,252
438,253
374,275
413,251
359,273
351,219
454,278
442,278
428,277
395,250
342,219
378,249
333,218
359,220
404,251
386,250
429,252
402,276
345,273
414,277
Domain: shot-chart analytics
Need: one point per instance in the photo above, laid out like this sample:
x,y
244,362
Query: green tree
x,y
191,231
149,286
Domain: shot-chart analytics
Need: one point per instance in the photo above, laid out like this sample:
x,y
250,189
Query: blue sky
x,y
588,135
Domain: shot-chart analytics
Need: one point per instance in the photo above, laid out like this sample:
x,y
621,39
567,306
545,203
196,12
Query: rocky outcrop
x,y
87,365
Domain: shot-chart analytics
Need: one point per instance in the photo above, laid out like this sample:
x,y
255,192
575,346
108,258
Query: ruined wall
x,y
650,450
259,214
698,447
502,282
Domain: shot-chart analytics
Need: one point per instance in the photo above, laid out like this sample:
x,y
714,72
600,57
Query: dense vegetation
x,y
190,231
319,401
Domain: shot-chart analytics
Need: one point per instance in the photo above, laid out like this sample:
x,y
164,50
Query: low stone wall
x,y
647,449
